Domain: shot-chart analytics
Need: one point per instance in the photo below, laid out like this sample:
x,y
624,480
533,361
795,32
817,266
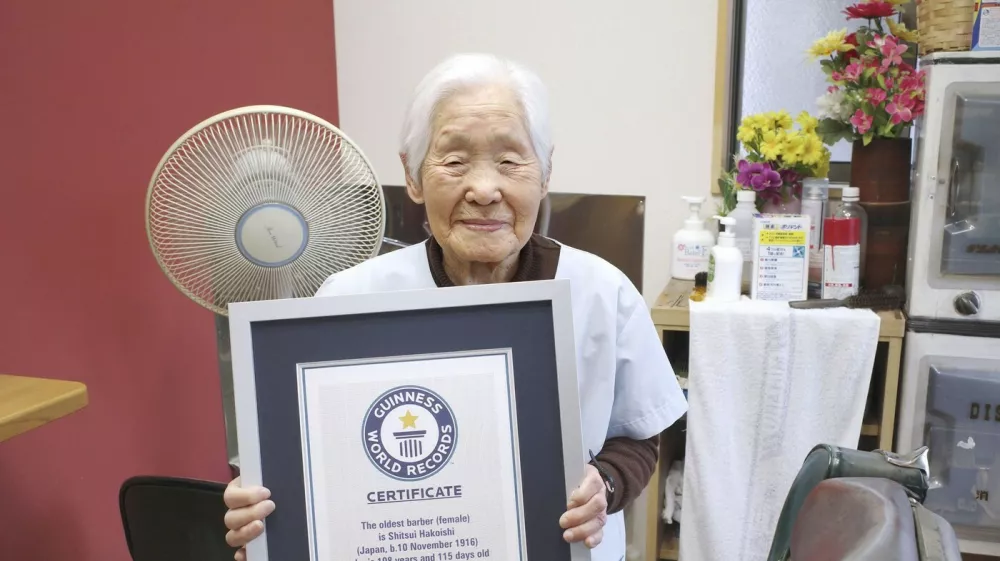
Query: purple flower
x,y
793,180
758,176
789,177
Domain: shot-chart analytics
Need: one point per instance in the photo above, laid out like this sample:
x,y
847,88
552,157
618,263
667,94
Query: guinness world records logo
x,y
409,433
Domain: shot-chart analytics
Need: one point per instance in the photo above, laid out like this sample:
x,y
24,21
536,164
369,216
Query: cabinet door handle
x,y
954,187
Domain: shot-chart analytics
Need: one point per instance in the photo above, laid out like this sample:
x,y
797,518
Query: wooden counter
x,y
671,312
28,403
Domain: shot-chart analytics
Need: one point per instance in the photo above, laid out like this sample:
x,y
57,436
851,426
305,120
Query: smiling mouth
x,y
483,225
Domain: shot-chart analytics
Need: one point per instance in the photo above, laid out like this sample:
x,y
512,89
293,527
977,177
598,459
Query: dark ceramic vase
x,y
888,233
881,170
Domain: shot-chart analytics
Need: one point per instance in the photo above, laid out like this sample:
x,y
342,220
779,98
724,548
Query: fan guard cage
x,y
262,203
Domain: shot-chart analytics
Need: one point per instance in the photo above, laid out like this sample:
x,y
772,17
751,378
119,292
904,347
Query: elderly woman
x,y
477,153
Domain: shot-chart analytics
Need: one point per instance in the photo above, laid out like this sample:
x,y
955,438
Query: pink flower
x,y
891,51
876,96
832,89
853,72
862,122
901,109
912,82
874,65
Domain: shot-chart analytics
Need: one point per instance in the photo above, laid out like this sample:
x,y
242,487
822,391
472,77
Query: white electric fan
x,y
261,203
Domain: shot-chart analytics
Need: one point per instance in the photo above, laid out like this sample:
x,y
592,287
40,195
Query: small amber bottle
x,y
700,286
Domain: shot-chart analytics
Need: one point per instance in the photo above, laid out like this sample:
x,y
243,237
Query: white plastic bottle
x,y
815,194
743,229
691,244
725,265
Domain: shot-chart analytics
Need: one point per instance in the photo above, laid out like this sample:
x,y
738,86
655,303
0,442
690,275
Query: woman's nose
x,y
483,188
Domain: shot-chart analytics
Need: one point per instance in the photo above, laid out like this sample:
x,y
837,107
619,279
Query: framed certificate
x,y
430,425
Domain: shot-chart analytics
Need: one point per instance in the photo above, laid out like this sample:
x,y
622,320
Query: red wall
x,y
91,94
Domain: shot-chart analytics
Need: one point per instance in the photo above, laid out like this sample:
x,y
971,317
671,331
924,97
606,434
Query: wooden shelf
x,y
672,311
27,403
870,428
670,546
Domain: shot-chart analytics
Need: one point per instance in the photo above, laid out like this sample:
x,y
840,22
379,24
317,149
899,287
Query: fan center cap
x,y
272,234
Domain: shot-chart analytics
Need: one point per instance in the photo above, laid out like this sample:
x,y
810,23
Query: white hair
x,y
466,70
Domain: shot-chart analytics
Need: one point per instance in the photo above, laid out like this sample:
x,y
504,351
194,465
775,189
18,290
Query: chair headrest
x,y
854,519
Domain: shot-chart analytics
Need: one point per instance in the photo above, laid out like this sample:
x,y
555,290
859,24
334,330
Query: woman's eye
x,y
453,164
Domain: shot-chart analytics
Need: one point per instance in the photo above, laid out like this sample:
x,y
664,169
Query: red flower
x,y
851,39
913,82
870,10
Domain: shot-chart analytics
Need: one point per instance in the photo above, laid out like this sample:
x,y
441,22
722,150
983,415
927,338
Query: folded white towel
x,y
767,383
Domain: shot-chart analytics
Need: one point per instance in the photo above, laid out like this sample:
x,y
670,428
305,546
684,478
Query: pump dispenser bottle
x,y
691,243
743,215
725,266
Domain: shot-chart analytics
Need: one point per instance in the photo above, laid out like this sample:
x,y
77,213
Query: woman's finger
x,y
590,486
236,496
241,555
590,532
240,517
596,506
244,535
596,539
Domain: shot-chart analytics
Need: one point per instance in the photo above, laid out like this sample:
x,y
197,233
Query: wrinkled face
x,y
481,181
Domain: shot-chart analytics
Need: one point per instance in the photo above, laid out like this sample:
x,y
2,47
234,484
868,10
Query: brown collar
x,y
538,261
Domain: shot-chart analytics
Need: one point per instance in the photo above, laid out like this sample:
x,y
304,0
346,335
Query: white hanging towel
x,y
767,383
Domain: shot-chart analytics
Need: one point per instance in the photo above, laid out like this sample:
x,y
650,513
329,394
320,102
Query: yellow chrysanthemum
x,y
781,119
835,41
793,145
807,122
899,30
756,122
771,145
823,169
812,150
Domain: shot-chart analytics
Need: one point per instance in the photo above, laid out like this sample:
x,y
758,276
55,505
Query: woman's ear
x,y
413,188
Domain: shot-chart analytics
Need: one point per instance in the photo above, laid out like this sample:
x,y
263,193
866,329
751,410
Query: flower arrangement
x,y
873,91
778,157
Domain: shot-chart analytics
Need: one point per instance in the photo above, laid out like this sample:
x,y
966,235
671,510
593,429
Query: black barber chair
x,y
851,505
174,519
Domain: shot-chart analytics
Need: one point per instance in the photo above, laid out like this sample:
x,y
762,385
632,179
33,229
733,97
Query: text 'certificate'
x,y
412,458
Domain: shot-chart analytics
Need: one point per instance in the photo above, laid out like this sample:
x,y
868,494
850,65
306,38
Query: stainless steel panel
x,y
609,226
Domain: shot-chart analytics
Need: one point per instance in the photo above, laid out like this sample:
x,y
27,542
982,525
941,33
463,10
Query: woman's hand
x,y
587,511
247,509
